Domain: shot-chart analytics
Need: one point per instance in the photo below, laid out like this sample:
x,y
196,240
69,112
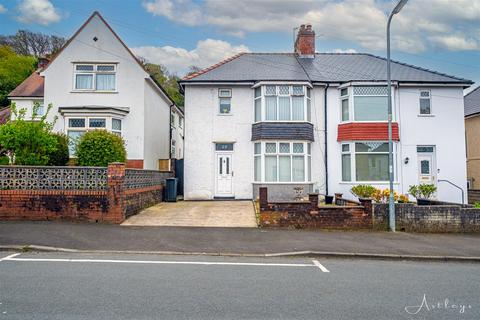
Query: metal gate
x,y
179,175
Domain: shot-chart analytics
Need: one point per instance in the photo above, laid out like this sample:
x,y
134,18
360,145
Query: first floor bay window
x,y
282,161
365,161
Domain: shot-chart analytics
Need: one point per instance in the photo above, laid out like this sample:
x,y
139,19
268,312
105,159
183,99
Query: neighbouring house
x,y
472,136
177,139
305,121
96,82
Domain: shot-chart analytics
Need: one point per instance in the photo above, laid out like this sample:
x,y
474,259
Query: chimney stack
x,y
305,42
42,62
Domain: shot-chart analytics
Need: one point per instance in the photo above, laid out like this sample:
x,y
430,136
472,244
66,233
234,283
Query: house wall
x,y
130,82
27,104
156,129
472,130
178,135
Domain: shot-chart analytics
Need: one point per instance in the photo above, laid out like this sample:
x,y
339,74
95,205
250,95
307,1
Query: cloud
x,y
2,9
177,60
38,11
422,25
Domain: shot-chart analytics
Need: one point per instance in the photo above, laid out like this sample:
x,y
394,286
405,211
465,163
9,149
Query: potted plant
x,y
363,191
423,193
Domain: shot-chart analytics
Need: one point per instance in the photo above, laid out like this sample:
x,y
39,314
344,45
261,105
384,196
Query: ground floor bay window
x,y
282,162
365,161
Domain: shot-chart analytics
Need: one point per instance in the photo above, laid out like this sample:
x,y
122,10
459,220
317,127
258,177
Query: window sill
x,y
92,91
426,115
367,182
224,114
257,182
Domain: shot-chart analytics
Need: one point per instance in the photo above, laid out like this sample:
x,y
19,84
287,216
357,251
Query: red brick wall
x,y
366,131
135,163
139,199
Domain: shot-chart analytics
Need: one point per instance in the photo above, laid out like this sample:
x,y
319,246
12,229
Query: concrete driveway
x,y
234,214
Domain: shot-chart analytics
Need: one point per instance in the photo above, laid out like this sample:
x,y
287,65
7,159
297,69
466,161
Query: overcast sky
x,y
442,35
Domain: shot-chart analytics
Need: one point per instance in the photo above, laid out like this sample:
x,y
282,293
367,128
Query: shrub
x,y
363,191
476,205
4,160
422,191
60,156
98,148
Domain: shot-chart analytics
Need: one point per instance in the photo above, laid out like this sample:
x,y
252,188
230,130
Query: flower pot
x,y
328,199
423,202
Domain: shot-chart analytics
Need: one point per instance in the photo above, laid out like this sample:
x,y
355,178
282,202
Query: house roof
x,y
30,87
325,67
472,102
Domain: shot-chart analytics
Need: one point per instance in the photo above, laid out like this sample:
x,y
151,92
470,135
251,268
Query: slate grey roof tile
x,y
472,102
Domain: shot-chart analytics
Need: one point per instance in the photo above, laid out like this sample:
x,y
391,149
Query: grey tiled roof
x,y
472,102
325,67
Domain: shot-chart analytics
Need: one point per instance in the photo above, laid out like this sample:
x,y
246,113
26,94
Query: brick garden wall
x,y
309,215
473,196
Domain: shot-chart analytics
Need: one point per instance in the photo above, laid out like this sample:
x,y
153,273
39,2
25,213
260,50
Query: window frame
x,y
420,98
351,103
227,97
306,154
94,72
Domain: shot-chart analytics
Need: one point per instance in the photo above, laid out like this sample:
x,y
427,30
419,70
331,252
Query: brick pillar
x,y
313,199
263,194
115,193
338,199
367,204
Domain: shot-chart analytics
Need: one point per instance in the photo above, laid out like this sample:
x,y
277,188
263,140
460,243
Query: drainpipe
x,y
170,134
326,140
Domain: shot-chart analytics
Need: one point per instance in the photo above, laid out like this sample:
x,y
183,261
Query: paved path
x,y
233,240
106,286
227,214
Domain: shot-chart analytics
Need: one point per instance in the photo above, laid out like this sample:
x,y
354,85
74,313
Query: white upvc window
x,y
282,162
365,161
77,126
425,102
288,103
95,77
224,101
364,104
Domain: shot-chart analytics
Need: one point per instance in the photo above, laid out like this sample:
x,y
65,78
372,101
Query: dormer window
x,y
95,77
282,103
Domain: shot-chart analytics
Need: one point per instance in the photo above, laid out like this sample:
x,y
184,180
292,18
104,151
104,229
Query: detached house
x,y
95,82
306,121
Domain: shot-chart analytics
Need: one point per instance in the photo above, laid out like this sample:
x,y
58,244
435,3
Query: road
x,y
132,286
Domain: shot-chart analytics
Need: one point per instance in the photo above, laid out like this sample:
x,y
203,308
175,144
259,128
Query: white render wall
x,y
177,135
27,104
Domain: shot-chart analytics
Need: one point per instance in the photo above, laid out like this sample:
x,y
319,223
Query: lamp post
x,y
391,203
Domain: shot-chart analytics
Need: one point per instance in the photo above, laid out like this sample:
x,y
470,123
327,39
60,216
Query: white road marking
x,y
319,265
10,256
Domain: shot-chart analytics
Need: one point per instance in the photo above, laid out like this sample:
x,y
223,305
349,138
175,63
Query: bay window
x,y
282,161
95,77
365,161
282,103
364,103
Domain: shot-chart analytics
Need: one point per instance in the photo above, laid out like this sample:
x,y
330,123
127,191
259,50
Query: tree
x,y
60,156
192,70
98,148
25,42
168,81
14,69
28,142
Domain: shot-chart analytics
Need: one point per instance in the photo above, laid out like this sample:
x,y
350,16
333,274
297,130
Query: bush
x,y
422,191
60,156
363,191
98,148
4,160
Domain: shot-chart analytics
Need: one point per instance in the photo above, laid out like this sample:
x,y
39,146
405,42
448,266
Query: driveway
x,y
234,214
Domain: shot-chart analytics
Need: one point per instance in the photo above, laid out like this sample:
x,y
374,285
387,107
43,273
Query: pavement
x,y
239,241
148,286
227,214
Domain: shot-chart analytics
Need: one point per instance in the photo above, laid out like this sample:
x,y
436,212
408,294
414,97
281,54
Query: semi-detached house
x,y
96,82
305,121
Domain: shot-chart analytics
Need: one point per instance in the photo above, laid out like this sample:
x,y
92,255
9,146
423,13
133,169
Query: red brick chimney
x,y
305,42
42,62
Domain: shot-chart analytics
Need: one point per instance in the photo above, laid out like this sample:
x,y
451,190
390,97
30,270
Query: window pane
x,y
116,124
309,165
225,105
257,148
257,165
284,147
298,148
425,106
372,167
84,67
344,92
298,172
258,92
285,90
425,94
270,148
370,91
41,110
298,90
425,167
309,148
284,108
225,93
345,147
97,123
270,168
224,146
271,108
371,108
424,149
309,110
284,170
73,137
83,81
308,92
371,147
76,123
105,82
270,90
105,68
345,113
346,168
258,110
298,108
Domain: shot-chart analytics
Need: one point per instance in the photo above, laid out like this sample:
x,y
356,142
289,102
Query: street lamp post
x,y
391,204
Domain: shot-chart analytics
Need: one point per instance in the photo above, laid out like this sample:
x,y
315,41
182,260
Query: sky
x,y
441,35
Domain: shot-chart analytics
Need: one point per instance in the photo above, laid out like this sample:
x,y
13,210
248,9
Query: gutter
x,y
326,139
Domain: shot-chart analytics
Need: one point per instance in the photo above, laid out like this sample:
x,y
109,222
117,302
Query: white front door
x,y
224,175
426,168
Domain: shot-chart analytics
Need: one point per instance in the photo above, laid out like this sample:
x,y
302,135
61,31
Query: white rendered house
x,y
305,121
95,82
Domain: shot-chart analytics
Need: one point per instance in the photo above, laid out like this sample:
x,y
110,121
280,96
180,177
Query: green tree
x,y
60,156
168,81
13,70
28,142
98,148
